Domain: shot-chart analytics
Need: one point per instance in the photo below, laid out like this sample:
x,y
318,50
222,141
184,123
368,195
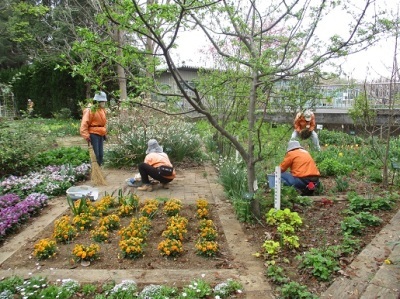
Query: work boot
x,y
148,188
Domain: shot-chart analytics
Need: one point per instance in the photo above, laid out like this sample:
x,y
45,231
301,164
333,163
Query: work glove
x,y
88,139
105,137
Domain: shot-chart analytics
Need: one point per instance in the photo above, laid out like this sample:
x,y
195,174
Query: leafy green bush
x,y
295,290
276,275
130,135
369,219
338,138
332,167
350,244
18,147
321,263
64,113
62,156
352,225
233,177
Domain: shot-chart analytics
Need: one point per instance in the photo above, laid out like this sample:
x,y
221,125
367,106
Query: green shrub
x,y
18,148
130,135
321,263
338,138
11,284
64,113
350,244
62,156
369,219
352,225
332,167
233,177
294,290
276,275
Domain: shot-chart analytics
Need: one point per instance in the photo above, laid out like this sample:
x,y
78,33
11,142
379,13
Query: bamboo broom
x,y
96,175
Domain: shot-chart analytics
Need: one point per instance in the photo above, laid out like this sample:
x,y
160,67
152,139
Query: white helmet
x,y
100,97
307,115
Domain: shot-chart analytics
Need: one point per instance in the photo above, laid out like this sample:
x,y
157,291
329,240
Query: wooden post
x,y
277,199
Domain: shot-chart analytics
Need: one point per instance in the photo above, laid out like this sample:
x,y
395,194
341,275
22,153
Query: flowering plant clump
x,y
225,289
201,203
125,288
14,214
176,227
177,221
83,221
170,247
202,208
172,207
101,207
9,200
111,222
197,289
204,223
45,248
125,210
174,232
206,248
149,208
134,229
86,253
36,201
68,288
158,291
107,201
64,231
51,180
208,234
99,234
132,248
143,221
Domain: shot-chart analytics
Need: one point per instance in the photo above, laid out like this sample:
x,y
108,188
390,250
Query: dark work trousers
x,y
147,170
97,142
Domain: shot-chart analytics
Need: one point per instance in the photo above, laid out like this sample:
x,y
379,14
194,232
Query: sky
x,y
369,64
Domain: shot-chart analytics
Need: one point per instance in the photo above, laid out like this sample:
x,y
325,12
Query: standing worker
x,y
29,107
93,125
304,125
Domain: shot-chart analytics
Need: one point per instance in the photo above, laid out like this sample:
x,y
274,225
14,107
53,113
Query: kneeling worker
x,y
304,174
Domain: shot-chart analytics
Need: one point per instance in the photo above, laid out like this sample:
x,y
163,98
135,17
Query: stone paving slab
x,y
368,276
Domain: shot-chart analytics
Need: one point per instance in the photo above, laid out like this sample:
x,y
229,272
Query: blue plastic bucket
x,y
271,181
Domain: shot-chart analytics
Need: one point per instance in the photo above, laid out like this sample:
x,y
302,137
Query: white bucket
x,y
78,192
271,181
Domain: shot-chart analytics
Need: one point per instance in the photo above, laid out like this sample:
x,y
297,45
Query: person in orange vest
x,y
93,125
306,121
155,157
30,106
304,174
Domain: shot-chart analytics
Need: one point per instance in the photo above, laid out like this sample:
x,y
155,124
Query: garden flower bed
x,y
200,243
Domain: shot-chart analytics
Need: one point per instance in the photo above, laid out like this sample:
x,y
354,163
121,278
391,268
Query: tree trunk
x,y
251,174
120,69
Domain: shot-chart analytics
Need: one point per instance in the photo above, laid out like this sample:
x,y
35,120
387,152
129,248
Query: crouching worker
x,y
156,165
304,174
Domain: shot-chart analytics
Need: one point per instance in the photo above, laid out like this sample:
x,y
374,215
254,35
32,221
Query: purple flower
x,y
9,200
